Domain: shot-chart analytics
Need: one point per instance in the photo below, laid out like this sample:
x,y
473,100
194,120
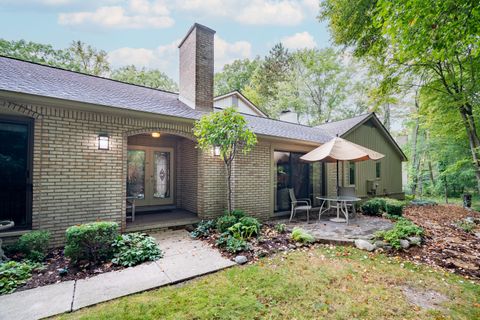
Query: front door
x,y
150,175
15,170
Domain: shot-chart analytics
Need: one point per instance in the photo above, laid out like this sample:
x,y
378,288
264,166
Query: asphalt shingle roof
x,y
342,126
35,79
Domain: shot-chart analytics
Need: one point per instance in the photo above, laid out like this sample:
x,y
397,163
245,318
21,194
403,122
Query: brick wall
x,y
252,186
74,182
197,67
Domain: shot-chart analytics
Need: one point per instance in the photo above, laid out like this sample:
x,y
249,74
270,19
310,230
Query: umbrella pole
x,y
338,185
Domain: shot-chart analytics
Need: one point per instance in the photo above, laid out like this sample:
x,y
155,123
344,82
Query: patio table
x,y
341,206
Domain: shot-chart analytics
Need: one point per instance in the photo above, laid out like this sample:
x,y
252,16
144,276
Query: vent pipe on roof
x,y
196,68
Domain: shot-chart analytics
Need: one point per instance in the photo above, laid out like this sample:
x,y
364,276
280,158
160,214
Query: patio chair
x,y
303,204
348,192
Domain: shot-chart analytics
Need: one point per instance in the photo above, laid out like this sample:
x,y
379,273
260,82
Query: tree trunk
x,y
228,167
473,140
431,172
415,156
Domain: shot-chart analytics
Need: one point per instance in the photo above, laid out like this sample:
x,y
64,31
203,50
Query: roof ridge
x,y
85,74
360,115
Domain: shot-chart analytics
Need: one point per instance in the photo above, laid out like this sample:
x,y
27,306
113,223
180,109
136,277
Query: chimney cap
x,y
199,26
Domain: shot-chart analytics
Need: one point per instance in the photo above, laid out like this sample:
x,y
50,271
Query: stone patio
x,y
361,227
184,259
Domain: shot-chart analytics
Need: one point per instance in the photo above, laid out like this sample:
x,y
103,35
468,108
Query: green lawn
x,y
324,282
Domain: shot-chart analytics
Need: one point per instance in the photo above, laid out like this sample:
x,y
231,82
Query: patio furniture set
x,y
335,150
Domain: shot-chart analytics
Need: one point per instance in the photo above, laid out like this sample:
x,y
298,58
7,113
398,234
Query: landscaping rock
x,y
364,245
241,259
379,244
477,234
291,246
415,241
262,253
404,243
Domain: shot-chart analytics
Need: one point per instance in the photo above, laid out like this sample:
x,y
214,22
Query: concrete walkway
x,y
184,259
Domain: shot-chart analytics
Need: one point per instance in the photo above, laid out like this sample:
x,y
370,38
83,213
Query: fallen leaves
x,y
446,245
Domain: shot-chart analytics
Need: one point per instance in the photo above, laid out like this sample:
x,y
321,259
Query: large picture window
x,y
15,171
291,172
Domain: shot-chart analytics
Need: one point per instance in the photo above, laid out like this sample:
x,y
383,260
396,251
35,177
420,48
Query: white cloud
x,y
138,14
226,52
312,6
165,57
299,40
250,12
261,12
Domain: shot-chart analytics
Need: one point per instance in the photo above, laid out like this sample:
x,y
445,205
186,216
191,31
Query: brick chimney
x,y
196,68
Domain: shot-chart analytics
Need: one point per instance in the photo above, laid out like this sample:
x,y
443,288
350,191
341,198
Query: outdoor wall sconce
x,y
156,134
103,141
216,151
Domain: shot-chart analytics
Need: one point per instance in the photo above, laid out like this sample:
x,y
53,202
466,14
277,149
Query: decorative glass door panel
x,y
136,174
150,175
161,174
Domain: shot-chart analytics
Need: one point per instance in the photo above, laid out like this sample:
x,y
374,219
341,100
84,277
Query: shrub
x,y
34,245
225,222
245,228
91,241
203,229
14,274
394,207
300,235
402,229
239,214
281,227
232,244
235,245
134,248
373,207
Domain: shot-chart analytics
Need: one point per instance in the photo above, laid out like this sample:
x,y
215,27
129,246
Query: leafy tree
x,y
436,40
237,75
78,57
226,130
148,78
88,59
37,52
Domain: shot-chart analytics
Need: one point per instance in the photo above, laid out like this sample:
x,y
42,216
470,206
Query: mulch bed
x,y
56,261
446,245
268,243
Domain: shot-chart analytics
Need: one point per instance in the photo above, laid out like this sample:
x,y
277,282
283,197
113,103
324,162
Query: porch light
x,y
103,142
156,134
216,151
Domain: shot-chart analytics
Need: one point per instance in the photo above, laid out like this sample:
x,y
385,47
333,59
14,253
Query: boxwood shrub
x,y
91,241
34,245
394,207
373,207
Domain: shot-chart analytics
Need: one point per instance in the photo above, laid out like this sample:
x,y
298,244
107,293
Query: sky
x,y
146,32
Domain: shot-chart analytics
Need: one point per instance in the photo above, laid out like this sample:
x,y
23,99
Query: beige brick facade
x,y
75,182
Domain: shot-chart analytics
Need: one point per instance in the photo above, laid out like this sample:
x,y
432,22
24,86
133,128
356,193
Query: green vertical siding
x,y
390,181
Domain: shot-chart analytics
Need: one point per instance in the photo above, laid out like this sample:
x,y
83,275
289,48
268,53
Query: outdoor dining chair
x,y
303,204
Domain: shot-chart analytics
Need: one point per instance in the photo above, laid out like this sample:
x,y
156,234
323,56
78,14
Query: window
x,y
351,172
15,171
378,169
291,172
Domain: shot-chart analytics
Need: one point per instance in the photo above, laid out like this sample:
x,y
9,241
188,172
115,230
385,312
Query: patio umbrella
x,y
339,149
